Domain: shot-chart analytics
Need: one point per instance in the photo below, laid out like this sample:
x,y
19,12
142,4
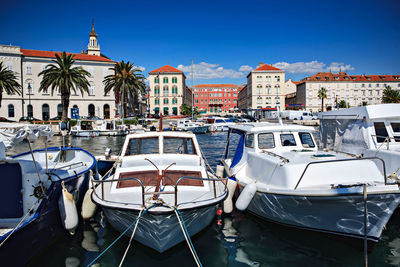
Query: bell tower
x,y
93,47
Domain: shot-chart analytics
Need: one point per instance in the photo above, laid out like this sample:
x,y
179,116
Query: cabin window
x,y
179,145
306,140
396,131
288,140
249,141
380,131
266,141
139,146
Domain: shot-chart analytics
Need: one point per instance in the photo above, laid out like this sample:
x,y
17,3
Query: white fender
x,y
220,170
246,196
228,204
88,207
68,211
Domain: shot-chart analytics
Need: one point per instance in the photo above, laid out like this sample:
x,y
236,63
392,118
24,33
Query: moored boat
x,y
38,188
84,128
284,178
165,169
109,127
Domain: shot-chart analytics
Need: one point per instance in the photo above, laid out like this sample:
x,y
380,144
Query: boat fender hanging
x,y
88,207
68,211
246,196
228,204
220,170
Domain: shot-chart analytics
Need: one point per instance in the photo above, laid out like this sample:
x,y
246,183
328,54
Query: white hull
x,y
85,133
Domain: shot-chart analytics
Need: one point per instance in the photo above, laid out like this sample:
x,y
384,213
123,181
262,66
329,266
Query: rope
x,y
23,218
130,240
119,237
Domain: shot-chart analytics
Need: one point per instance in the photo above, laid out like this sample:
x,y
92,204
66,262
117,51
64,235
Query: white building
x,y
354,89
168,91
27,64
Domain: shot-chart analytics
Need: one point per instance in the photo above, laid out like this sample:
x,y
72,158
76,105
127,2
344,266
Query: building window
x,y
156,90
29,69
59,110
174,80
165,101
165,80
174,100
156,79
91,110
268,87
45,112
106,111
278,78
30,111
268,78
259,88
157,101
277,89
175,90
91,88
259,100
90,70
362,85
11,111
165,90
44,66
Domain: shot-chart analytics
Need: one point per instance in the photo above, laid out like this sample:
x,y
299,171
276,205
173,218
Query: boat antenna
x,y
192,89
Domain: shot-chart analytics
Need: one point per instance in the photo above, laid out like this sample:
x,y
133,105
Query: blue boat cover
x,y
10,190
239,150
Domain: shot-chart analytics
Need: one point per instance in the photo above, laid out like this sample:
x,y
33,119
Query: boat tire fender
x,y
246,196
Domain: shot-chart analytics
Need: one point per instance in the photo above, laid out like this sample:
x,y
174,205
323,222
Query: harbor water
x,y
241,240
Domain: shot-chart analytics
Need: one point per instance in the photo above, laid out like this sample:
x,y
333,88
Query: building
x,y
356,90
216,98
174,91
27,64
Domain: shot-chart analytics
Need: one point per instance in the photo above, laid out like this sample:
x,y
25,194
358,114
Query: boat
x,y
110,128
84,128
191,126
41,192
366,131
165,169
219,124
284,178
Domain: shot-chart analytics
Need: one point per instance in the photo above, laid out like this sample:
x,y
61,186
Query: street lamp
x,y
29,101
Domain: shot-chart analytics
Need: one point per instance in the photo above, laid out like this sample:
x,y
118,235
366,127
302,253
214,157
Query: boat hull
x,y
161,231
342,215
85,133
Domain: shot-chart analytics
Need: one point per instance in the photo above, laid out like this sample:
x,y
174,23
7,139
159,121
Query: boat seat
x,y
10,192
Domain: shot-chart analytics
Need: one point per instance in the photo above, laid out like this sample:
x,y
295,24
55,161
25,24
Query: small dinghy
x,y
164,174
39,187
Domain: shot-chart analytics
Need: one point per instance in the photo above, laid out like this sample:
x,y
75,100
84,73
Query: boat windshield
x,y
266,141
179,145
139,146
306,140
288,140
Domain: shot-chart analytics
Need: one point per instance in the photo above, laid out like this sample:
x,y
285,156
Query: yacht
x,y
219,124
165,173
110,128
191,126
284,178
84,128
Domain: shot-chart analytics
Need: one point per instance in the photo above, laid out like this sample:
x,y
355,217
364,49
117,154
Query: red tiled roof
x,y
343,77
166,68
296,83
267,67
51,54
215,85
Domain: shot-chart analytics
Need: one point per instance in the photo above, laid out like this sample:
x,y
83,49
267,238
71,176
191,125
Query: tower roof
x,y
93,32
166,69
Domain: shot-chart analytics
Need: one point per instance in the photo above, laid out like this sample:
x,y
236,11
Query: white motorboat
x,y
84,128
284,178
37,188
191,126
165,169
368,131
111,128
219,124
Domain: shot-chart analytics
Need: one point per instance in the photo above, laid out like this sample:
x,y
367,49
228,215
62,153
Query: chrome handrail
x,y
341,160
284,160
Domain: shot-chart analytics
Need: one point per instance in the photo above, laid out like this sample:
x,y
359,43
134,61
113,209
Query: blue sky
x,y
224,38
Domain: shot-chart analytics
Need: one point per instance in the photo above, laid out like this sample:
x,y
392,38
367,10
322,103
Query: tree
x,y
343,104
187,110
390,95
62,76
322,95
8,82
126,78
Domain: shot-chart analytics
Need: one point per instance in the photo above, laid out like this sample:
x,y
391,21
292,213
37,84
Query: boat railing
x,y
387,140
96,183
70,165
284,160
342,160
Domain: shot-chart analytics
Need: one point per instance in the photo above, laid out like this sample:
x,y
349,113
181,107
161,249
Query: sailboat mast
x,y
192,90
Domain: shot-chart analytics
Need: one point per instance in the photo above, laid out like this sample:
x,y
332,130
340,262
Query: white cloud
x,y
245,68
141,68
204,70
312,67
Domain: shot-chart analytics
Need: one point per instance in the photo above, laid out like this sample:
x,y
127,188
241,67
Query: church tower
x,y
93,47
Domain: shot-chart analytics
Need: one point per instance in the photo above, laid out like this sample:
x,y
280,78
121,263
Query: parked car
x,y
26,118
298,115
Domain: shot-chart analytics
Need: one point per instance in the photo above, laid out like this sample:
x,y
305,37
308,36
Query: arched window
x,y
11,111
30,111
75,106
165,80
174,80
45,112
91,110
174,89
259,88
157,90
268,89
59,110
157,101
277,89
106,111
91,88
156,79
165,90
259,100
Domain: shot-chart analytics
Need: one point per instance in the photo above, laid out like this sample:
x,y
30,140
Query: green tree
x,y
8,82
126,78
390,95
322,95
187,110
62,76
343,104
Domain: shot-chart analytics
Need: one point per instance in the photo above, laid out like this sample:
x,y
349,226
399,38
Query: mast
x,y
192,89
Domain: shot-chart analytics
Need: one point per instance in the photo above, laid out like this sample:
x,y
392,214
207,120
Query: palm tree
x,y
126,78
390,95
8,82
322,95
63,76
